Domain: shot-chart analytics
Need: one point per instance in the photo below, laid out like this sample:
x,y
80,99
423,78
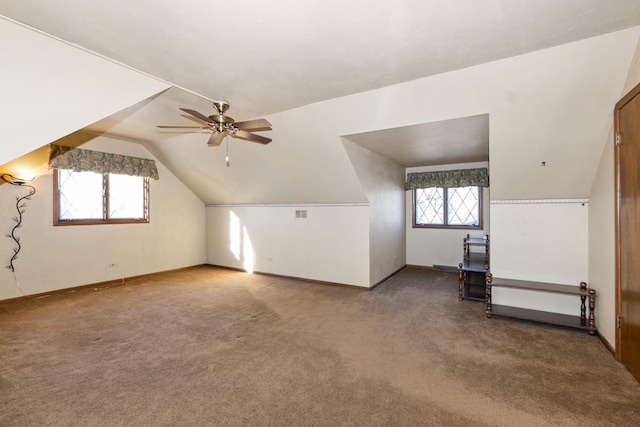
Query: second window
x,y
437,207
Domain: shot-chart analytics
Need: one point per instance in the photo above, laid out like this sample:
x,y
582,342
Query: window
x,y
82,198
437,207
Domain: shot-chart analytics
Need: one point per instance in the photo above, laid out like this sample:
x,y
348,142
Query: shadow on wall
x,y
240,243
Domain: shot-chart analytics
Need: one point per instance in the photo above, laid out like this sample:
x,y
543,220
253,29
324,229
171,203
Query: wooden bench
x,y
581,322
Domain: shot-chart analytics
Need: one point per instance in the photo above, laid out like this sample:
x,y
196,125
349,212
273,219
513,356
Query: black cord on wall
x,y
20,208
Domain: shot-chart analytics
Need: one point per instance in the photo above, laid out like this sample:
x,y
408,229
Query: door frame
x,y
616,118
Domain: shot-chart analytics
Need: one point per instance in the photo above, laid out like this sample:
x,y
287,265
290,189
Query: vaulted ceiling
x,y
266,58
269,56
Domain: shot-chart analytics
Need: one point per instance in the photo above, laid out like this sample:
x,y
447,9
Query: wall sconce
x,y
21,180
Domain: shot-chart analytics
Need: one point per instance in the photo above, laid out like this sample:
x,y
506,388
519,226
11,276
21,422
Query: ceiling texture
x,y
268,57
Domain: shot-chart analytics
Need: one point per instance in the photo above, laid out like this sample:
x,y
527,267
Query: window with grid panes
x,y
82,198
437,207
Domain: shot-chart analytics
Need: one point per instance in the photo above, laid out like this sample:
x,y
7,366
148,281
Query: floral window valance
x,y
81,160
448,179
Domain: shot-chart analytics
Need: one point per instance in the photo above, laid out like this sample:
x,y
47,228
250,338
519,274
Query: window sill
x,y
449,227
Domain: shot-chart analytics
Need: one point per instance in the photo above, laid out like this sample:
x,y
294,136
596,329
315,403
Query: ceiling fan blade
x,y
216,139
198,115
252,137
258,124
182,127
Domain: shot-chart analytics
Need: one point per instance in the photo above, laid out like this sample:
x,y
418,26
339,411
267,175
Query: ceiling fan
x,y
222,125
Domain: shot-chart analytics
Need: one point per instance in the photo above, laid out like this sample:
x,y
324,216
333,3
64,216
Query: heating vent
x,y
301,214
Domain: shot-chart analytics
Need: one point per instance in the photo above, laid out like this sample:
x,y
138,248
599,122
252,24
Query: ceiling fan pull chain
x,y
227,156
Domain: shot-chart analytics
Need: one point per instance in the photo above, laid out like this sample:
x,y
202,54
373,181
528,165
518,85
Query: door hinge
x,y
618,138
618,322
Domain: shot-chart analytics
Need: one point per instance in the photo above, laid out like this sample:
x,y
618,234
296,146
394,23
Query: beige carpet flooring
x,y
207,346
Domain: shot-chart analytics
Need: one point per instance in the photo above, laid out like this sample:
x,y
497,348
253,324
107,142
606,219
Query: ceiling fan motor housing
x,y
220,121
219,118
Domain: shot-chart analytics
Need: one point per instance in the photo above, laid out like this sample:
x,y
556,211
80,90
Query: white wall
x,y
354,244
331,244
553,105
434,246
602,225
383,183
55,258
545,242
50,89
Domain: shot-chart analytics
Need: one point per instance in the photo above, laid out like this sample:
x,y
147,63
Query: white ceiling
x,y
462,140
268,57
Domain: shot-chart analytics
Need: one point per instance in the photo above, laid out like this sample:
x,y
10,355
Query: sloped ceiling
x,y
266,57
272,58
460,140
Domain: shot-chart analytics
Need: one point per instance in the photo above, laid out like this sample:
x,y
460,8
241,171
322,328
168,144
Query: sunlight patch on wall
x,y
240,243
234,235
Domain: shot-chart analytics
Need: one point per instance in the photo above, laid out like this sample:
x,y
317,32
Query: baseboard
x,y
388,277
225,267
122,281
319,282
606,344
446,268
98,285
303,279
424,267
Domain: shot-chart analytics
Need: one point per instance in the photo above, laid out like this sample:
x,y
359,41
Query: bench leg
x,y
460,281
487,293
592,311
